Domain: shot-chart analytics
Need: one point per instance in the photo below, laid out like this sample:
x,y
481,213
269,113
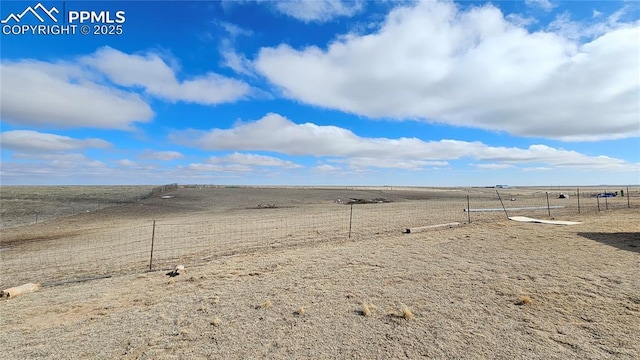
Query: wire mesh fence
x,y
70,256
76,255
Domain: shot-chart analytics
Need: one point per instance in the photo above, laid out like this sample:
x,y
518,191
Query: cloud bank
x,y
434,62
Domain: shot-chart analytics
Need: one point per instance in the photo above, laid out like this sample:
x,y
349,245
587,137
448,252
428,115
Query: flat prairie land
x,y
282,279
24,205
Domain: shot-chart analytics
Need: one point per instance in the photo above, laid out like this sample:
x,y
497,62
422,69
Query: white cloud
x,y
126,163
433,62
543,4
537,169
50,167
391,163
557,157
54,164
326,168
234,30
133,167
520,20
152,73
226,168
62,157
278,134
74,94
35,93
252,160
236,61
231,58
493,166
162,155
275,133
28,141
319,11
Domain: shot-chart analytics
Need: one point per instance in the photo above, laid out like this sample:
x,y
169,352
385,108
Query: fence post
x,y
153,237
628,203
606,201
548,207
468,212
578,200
598,199
503,208
350,218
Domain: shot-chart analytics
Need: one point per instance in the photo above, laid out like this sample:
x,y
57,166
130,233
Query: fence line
x,y
19,217
163,244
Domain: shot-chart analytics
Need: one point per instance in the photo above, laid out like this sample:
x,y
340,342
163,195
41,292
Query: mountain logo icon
x,y
37,11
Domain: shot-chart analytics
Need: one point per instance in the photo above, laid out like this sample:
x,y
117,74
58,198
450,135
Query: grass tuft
x,y
216,322
265,305
406,313
367,309
524,300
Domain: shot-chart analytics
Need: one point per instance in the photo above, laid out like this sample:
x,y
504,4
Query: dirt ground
x,y
490,289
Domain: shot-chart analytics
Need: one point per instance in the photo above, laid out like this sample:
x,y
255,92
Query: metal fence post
x,y
501,203
153,237
468,212
350,218
548,207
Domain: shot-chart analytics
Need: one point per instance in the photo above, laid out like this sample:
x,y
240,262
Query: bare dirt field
x,y
272,273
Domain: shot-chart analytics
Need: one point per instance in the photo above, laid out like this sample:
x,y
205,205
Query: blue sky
x,y
324,92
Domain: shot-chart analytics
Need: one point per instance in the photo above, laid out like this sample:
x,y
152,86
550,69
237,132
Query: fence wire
x,y
164,244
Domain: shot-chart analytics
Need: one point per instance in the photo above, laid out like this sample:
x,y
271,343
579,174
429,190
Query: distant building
x,y
502,186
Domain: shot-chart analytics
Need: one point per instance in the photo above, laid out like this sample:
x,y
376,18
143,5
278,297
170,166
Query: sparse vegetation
x,y
300,311
216,322
460,286
367,309
524,300
406,313
21,203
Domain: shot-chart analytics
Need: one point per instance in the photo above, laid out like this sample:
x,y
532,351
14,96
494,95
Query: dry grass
x,y
459,283
367,309
216,322
300,311
524,300
21,203
406,313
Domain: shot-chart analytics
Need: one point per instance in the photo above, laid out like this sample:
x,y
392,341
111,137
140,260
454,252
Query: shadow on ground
x,y
629,241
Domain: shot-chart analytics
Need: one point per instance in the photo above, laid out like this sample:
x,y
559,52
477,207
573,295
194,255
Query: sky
x,y
322,92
